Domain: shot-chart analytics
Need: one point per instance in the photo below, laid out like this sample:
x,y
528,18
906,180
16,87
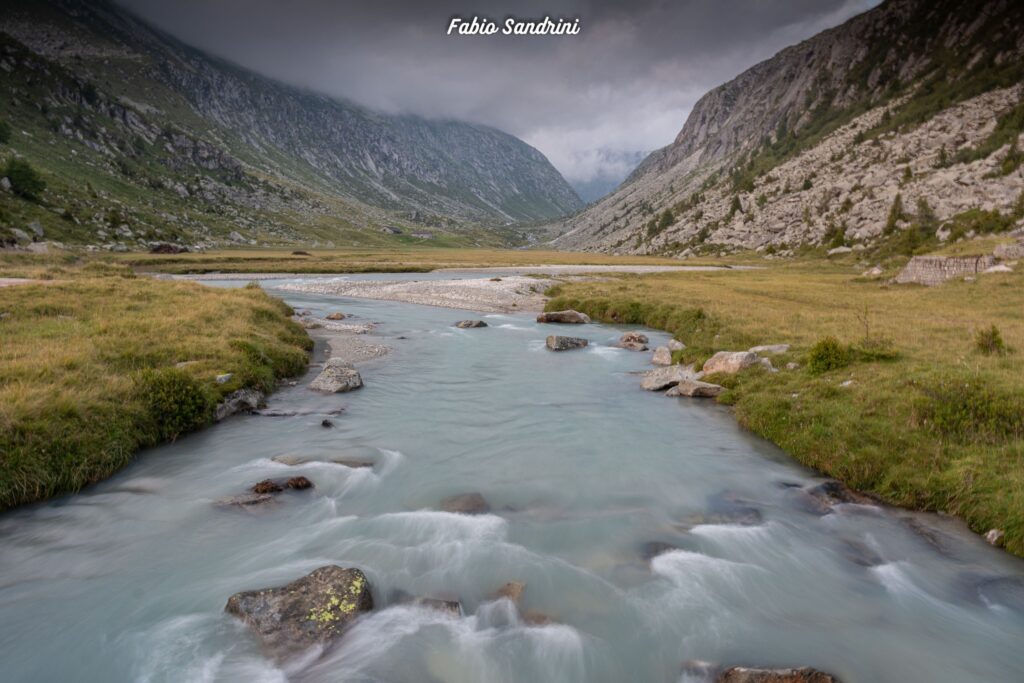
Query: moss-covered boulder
x,y
312,610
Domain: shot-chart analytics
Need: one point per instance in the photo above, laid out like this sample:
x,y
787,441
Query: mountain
x,y
901,124
136,133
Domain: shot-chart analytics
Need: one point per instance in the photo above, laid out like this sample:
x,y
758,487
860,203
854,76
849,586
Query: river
x,y
127,580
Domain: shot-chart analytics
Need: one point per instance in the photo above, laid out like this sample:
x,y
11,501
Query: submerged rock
x,y
663,378
633,341
651,549
296,460
466,504
312,610
662,356
564,317
513,590
556,343
468,324
695,389
245,500
336,377
739,674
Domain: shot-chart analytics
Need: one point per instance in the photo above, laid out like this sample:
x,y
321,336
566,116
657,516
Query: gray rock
x,y
335,316
243,400
663,378
633,341
313,610
468,324
662,356
839,250
336,377
772,349
695,389
5,184
36,228
466,504
246,500
995,537
225,378
556,343
675,345
235,237
20,235
739,674
730,362
564,317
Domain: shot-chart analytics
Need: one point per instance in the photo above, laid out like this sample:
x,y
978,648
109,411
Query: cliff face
x,y
841,108
134,103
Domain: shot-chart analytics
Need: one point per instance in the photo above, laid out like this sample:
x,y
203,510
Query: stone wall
x,y
934,270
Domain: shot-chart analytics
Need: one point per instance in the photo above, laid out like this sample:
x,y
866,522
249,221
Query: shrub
x,y
971,409
5,132
176,401
896,214
827,354
25,180
990,341
807,184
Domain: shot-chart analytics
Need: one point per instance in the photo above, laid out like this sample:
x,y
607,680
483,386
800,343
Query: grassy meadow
x,y
906,405
89,369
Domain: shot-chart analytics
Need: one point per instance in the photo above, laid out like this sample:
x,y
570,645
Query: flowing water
x,y
127,581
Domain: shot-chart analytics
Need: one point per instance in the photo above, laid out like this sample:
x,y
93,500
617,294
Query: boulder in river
x,y
309,611
662,356
468,324
466,504
557,343
513,590
278,485
694,388
337,376
337,315
564,317
241,401
739,674
663,378
246,500
730,362
633,341
995,537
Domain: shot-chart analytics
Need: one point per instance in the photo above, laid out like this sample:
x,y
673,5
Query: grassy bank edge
x,y
96,368
872,438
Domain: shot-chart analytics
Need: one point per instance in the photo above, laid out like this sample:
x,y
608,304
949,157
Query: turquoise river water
x,y
127,580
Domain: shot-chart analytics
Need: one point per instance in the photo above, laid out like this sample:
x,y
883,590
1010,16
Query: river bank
x,y
94,368
911,409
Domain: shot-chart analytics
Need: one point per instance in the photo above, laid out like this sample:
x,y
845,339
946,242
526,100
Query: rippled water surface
x,y
127,581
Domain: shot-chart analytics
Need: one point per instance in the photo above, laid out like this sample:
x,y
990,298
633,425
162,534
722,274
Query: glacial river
x,y
127,581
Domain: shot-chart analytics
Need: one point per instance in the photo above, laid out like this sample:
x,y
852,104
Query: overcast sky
x,y
590,102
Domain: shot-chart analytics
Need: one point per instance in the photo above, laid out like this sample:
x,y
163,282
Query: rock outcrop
x,y
557,343
313,610
336,377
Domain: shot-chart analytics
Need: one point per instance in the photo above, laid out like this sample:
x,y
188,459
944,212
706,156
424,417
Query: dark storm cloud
x,y
589,102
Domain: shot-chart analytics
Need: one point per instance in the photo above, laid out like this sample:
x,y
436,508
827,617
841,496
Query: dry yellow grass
x,y
74,354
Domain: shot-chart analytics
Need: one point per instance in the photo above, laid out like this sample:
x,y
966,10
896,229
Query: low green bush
x,y
176,401
25,180
971,409
827,354
989,341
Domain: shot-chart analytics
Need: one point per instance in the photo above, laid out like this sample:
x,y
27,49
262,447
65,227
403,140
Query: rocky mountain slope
x,y
898,128
180,145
